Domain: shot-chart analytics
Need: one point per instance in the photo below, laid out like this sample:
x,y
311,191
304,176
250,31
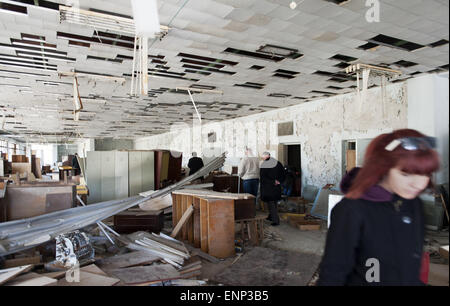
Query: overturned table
x,y
206,219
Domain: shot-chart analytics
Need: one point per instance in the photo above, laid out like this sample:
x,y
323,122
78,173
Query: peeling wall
x,y
319,127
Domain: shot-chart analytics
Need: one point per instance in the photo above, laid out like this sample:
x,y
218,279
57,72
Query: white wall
x,y
428,112
47,153
319,127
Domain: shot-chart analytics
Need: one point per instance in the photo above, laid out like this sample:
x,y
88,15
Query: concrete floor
x,y
290,260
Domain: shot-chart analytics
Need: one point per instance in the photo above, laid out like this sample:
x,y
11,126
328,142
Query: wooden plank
x,y
32,279
183,228
9,274
157,203
187,214
174,209
90,279
308,225
350,156
202,254
55,275
214,194
191,269
443,250
196,222
17,262
191,274
190,222
136,275
127,260
180,210
204,225
94,270
221,230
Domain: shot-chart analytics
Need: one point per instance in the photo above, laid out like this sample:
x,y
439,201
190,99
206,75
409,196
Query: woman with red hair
x,y
377,231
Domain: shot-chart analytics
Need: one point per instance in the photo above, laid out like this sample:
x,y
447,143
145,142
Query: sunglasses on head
x,y
412,143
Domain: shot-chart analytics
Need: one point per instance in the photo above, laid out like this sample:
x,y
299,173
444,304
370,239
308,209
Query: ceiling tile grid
x,y
218,43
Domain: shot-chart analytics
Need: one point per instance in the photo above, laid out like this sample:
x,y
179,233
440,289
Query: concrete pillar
x,y
428,112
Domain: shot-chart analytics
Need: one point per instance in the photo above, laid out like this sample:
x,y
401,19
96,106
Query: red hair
x,y
378,161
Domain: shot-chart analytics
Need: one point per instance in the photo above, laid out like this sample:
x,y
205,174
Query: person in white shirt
x,y
249,172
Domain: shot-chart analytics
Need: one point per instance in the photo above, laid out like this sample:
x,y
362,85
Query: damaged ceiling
x,y
260,53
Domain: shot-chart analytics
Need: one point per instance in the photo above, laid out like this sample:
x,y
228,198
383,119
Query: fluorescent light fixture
x,y
146,19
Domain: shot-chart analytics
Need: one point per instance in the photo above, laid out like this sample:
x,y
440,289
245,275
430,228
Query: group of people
x,y
266,175
377,231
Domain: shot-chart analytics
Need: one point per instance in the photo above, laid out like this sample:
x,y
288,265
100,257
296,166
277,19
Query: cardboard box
x,y
308,225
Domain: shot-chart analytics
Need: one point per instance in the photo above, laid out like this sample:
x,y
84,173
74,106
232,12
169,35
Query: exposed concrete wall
x,y
319,127
113,144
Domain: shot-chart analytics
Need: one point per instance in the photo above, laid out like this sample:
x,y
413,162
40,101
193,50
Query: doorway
x,y
292,160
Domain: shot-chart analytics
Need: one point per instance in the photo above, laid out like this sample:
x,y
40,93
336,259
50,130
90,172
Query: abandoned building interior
x,y
134,133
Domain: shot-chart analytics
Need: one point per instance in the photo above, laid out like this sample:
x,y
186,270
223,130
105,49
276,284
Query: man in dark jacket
x,y
271,176
195,163
76,165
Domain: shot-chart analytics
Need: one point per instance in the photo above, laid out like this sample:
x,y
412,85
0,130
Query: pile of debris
x,y
144,259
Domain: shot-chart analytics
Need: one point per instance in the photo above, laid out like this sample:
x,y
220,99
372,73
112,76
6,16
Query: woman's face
x,y
406,185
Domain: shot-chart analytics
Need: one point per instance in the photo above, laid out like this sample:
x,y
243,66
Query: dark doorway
x,y
293,163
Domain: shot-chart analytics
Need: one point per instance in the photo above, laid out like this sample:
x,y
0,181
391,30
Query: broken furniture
x,y
227,183
167,167
206,219
133,221
252,230
64,171
34,199
27,233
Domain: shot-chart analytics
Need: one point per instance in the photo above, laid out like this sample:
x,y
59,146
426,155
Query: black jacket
x,y
391,231
195,164
271,170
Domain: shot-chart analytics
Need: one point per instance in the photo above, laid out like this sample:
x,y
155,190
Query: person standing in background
x,y
195,163
249,173
271,175
75,165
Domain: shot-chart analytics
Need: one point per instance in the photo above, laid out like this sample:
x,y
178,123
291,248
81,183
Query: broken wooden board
x,y
143,274
157,203
127,260
90,279
32,279
214,194
9,274
186,215
201,254
94,270
17,262
308,225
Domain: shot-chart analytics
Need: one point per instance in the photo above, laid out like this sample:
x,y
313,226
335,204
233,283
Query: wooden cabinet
x,y
211,226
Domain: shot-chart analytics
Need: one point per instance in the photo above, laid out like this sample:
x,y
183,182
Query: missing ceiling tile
x,y
403,63
369,46
439,43
256,67
343,58
278,95
261,56
338,2
12,8
251,85
207,59
395,43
